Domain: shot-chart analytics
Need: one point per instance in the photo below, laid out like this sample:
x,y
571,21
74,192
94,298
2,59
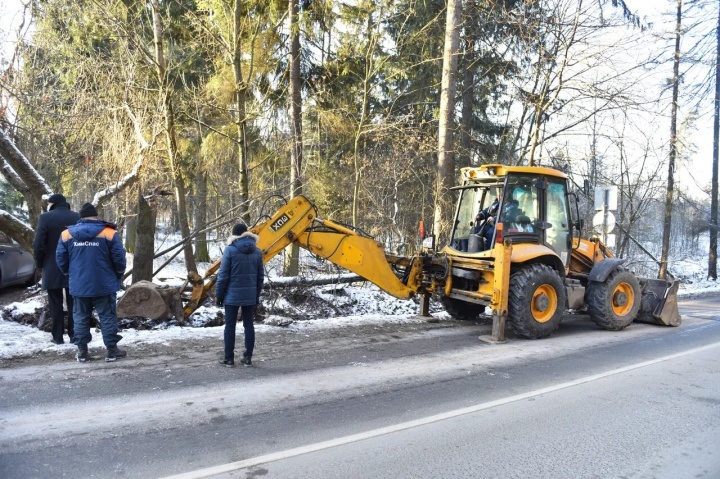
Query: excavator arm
x,y
297,222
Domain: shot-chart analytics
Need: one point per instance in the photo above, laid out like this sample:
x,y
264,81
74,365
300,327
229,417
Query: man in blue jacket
x,y
50,226
239,283
92,253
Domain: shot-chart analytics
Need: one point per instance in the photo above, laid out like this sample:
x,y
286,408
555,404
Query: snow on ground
x,y
330,306
20,340
350,305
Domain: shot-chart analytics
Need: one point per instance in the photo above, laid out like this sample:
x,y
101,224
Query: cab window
x,y
520,205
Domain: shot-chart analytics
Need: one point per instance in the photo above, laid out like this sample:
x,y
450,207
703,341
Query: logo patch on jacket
x,y
86,243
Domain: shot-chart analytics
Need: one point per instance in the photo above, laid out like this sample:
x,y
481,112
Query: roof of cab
x,y
486,172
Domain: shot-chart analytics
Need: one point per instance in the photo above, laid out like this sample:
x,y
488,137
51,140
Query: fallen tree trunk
x,y
148,300
293,281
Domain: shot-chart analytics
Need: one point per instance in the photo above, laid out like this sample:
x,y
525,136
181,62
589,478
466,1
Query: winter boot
x,y
82,354
114,353
246,361
226,363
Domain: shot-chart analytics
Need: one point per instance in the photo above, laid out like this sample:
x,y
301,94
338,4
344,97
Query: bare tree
x,y
712,256
673,146
564,49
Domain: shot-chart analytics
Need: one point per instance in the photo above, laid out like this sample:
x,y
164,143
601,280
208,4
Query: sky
x,y
10,18
661,13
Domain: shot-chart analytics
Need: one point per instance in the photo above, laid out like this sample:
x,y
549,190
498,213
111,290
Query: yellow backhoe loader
x,y
526,261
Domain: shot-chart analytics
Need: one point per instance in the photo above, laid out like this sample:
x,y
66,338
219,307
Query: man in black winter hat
x,y
50,225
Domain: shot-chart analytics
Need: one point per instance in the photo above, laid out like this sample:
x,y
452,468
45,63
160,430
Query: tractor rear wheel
x,y
536,301
462,309
614,303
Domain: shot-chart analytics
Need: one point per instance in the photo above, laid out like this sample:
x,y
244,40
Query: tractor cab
x,y
526,205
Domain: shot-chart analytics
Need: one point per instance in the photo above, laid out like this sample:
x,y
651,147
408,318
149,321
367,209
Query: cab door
x,y
558,233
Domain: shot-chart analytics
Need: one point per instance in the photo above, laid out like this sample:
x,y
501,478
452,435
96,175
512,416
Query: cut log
x,y
149,300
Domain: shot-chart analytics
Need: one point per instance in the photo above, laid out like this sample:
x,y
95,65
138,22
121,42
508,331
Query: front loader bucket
x,y
659,302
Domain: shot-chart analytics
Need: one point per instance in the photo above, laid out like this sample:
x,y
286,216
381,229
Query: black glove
x,y
219,302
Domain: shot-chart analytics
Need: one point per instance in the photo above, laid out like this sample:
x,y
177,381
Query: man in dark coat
x,y
51,224
92,254
239,283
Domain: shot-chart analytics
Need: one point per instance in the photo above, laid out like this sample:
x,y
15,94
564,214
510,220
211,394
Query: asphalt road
x,y
423,400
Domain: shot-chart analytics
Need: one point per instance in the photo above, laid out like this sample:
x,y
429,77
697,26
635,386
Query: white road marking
x,y
294,452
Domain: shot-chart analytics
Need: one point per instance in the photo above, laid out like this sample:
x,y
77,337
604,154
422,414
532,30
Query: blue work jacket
x,y
92,254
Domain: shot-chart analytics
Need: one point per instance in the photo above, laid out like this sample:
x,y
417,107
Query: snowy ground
x,y
302,309
334,306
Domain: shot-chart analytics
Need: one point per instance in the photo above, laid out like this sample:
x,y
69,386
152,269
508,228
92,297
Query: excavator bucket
x,y
659,302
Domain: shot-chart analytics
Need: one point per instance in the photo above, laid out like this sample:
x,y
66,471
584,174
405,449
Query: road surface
x,y
391,401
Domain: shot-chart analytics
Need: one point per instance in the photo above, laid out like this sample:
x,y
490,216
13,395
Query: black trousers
x,y
55,301
248,316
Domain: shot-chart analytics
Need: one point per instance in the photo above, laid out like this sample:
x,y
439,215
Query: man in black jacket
x,y
50,226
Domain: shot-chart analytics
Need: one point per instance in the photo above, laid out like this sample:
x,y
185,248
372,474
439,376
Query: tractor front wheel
x,y
614,303
536,301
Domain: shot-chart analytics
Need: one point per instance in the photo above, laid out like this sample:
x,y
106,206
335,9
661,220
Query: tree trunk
x,y
466,120
673,148
296,158
446,160
296,185
166,93
241,119
201,248
364,112
144,240
17,230
712,256
130,224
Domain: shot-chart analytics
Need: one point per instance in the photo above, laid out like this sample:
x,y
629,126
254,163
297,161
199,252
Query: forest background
x,y
202,112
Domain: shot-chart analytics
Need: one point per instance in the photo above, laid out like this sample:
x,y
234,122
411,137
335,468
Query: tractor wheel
x,y
536,301
614,303
462,309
